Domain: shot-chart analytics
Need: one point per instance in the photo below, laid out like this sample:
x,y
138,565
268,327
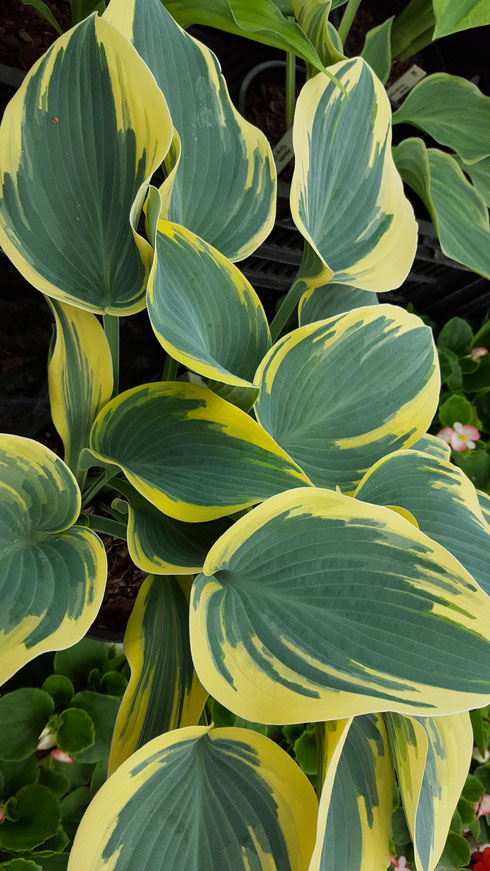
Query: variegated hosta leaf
x,y
377,49
484,502
319,303
223,187
452,17
432,445
227,799
52,574
438,104
432,756
354,819
164,692
315,605
458,211
77,144
442,500
312,17
260,20
204,311
348,202
331,397
162,545
79,376
190,453
479,174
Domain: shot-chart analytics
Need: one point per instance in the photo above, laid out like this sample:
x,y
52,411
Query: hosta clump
x,y
54,748
311,553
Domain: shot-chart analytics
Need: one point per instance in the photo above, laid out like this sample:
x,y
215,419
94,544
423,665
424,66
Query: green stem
x,y
107,526
320,745
348,18
97,484
290,88
170,369
111,329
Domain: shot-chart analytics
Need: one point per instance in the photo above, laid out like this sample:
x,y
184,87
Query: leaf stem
x,y
106,526
170,369
320,749
348,18
97,484
111,329
290,88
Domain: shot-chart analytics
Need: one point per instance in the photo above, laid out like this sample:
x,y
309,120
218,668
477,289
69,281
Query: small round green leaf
x,y
20,865
76,662
102,711
305,752
76,731
455,408
113,683
75,804
60,688
17,774
456,335
54,780
39,818
23,715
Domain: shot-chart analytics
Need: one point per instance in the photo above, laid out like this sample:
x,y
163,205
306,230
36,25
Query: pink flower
x,y
476,353
2,815
445,434
61,756
464,437
484,808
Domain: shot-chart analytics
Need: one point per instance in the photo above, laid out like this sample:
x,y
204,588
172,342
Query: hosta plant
x,y
312,555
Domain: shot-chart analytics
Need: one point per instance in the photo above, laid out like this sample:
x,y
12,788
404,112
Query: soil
x,y
25,34
124,580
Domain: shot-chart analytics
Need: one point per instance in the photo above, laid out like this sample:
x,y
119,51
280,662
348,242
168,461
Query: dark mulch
x,y
25,35
124,580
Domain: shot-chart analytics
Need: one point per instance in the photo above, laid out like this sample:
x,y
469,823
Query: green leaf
x,y
334,424
456,335
204,312
369,240
479,174
479,380
452,17
476,467
102,710
45,11
456,408
295,578
60,688
17,774
318,303
305,752
442,501
473,789
20,865
377,49
483,775
76,662
78,773
76,731
456,853
52,574
260,20
75,804
458,211
190,453
242,802
221,177
482,405
58,226
451,373
164,692
54,780
400,832
99,776
312,17
412,29
480,729
456,824
437,105
39,818
23,715
113,683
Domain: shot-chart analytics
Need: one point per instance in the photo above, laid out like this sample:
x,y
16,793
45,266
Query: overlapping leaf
x,y
316,605
438,104
163,693
223,186
479,174
190,453
458,211
432,445
319,303
79,376
204,311
312,16
349,202
162,545
53,574
452,17
484,502
200,797
357,798
376,50
442,500
432,757
77,144
331,397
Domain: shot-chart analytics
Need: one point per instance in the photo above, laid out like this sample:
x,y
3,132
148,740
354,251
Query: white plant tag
x,y
400,88
283,151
